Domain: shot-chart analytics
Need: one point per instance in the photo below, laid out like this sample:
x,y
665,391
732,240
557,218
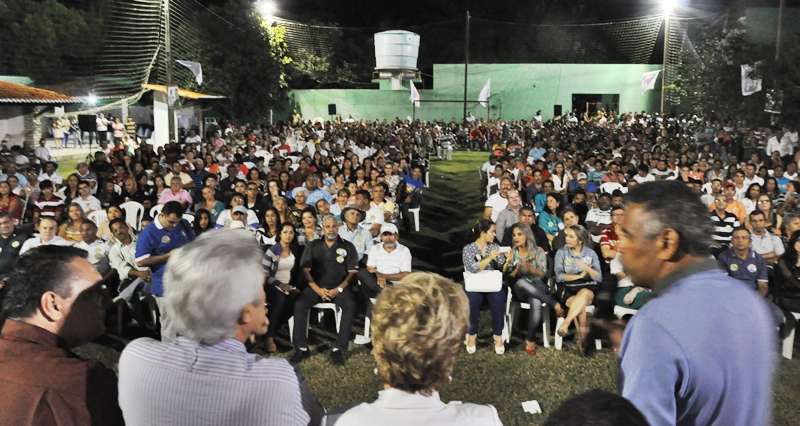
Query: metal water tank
x,y
396,50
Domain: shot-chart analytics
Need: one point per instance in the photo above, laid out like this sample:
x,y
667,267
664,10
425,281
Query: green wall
x,y
518,90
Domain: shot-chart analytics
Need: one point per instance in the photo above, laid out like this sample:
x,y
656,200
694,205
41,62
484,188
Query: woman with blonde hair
x,y
417,329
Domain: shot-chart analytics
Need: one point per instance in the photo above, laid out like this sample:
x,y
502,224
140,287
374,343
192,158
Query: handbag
x,y
490,281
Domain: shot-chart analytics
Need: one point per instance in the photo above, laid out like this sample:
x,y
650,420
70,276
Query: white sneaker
x,y
471,349
500,350
362,339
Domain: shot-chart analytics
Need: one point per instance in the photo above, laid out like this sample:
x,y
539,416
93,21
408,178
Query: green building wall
x,y
518,91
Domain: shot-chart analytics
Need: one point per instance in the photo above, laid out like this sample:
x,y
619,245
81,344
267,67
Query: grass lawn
x,y
450,207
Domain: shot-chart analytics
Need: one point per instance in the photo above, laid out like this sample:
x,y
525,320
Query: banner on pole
x,y
414,98
750,84
649,80
195,68
486,93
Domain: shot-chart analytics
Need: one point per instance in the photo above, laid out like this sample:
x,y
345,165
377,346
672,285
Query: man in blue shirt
x,y
702,351
742,263
167,232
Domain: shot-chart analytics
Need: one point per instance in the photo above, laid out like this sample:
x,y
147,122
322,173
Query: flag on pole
x,y
414,98
750,84
486,93
649,80
195,68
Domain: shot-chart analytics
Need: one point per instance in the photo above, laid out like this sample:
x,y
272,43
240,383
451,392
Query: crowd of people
x,y
199,236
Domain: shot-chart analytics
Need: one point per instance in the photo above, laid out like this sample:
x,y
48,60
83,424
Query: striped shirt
x,y
182,382
723,228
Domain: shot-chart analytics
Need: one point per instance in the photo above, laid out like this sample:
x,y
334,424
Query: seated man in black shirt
x,y
10,244
329,264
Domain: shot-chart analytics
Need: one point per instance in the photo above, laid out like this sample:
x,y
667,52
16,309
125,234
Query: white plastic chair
x,y
610,187
598,344
365,338
415,213
189,218
134,212
321,307
788,342
620,311
97,217
156,210
513,307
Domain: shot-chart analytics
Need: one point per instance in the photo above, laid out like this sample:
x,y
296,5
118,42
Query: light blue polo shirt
x,y
700,353
155,240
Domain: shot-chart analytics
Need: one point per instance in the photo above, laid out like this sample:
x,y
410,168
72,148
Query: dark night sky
x,y
410,12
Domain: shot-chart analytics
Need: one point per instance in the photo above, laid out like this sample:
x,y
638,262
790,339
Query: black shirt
x,y
9,252
330,265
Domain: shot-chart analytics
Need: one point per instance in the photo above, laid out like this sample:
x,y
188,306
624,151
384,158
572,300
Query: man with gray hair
x,y
329,264
687,357
214,295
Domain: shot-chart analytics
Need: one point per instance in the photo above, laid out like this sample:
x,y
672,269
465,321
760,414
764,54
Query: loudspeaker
x,y
556,110
87,123
331,109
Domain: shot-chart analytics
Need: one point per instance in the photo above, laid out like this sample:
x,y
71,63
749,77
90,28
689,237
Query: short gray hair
x,y
208,281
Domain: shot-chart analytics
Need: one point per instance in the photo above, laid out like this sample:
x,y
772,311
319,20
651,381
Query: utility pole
x,y
664,62
781,7
168,55
466,65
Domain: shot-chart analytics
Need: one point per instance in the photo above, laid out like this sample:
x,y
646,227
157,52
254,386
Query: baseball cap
x,y
389,227
239,209
582,176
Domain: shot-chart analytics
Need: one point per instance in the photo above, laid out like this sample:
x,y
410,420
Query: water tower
x,y
396,59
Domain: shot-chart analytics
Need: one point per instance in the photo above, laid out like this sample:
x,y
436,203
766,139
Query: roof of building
x,y
184,93
15,93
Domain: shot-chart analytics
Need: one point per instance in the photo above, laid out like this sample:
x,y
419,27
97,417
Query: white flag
x,y
414,95
486,92
750,85
649,80
195,68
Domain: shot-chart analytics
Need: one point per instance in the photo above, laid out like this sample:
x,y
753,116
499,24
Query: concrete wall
x,y
518,91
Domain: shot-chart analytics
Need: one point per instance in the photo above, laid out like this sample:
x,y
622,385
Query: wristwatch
x,y
339,289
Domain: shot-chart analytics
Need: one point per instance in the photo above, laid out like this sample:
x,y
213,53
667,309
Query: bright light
x,y
266,8
668,6
91,99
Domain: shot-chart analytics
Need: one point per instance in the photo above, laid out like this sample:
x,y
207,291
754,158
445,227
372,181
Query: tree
x,y
240,62
46,40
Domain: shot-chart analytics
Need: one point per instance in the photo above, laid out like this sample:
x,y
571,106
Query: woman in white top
x,y
280,263
417,329
560,178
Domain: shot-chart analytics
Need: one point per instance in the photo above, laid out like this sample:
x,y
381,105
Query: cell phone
x,y
503,249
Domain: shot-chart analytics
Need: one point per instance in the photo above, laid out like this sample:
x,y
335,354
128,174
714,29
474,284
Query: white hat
x,y
389,227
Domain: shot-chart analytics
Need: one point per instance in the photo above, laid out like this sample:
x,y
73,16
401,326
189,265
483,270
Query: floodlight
x,y
668,6
91,99
266,8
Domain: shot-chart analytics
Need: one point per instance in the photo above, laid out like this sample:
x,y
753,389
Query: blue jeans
x,y
497,304
533,292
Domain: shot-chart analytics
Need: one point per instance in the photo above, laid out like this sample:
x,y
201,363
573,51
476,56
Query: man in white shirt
x,y
86,200
764,243
387,262
97,248
41,152
47,235
122,254
49,173
356,235
499,201
750,176
643,175
374,213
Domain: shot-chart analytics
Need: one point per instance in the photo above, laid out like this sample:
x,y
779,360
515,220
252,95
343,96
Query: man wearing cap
x,y
227,216
387,262
732,205
356,235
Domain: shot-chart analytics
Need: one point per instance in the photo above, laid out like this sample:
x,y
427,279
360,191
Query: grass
x,y
450,207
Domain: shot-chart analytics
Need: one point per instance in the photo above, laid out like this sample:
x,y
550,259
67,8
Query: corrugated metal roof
x,y
14,93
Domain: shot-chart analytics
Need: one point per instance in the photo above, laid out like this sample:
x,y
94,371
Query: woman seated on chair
x,y
417,327
527,266
280,265
70,230
578,275
483,255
